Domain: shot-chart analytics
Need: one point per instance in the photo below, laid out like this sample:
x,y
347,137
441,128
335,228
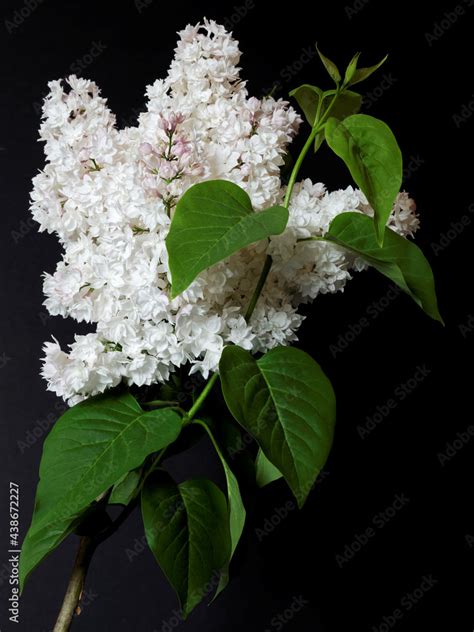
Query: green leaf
x,y
371,153
124,489
213,220
399,259
286,402
363,73
308,98
346,104
89,448
187,529
351,69
236,506
330,67
265,472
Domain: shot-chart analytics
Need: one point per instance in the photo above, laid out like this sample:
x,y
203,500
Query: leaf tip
x,y
380,234
176,290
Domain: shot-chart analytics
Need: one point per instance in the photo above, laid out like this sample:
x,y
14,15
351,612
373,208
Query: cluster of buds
x,y
170,160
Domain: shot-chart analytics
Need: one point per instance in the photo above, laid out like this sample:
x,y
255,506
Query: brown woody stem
x,y
76,584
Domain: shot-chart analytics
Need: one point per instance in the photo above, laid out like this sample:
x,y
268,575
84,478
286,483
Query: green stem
x,y
88,545
268,260
259,287
298,163
149,470
318,125
211,436
134,501
291,183
202,396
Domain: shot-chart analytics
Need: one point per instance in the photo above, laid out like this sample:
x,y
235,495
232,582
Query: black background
x,y
423,92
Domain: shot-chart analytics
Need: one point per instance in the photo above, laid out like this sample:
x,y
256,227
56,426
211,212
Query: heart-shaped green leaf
x,y
213,220
187,529
371,153
89,448
398,259
286,402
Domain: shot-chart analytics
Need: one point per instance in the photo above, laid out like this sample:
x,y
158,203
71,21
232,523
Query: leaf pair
x,y
89,449
313,100
99,444
287,404
353,74
365,144
371,153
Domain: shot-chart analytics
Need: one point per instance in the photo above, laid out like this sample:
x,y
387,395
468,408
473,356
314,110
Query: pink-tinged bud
x,y
168,170
149,182
170,123
195,170
181,147
84,154
146,149
254,104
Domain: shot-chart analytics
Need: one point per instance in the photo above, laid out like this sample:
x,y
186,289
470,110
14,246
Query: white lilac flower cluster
x,y
109,194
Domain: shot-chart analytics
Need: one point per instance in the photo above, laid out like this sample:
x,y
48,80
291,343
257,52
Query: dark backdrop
x,y
401,470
